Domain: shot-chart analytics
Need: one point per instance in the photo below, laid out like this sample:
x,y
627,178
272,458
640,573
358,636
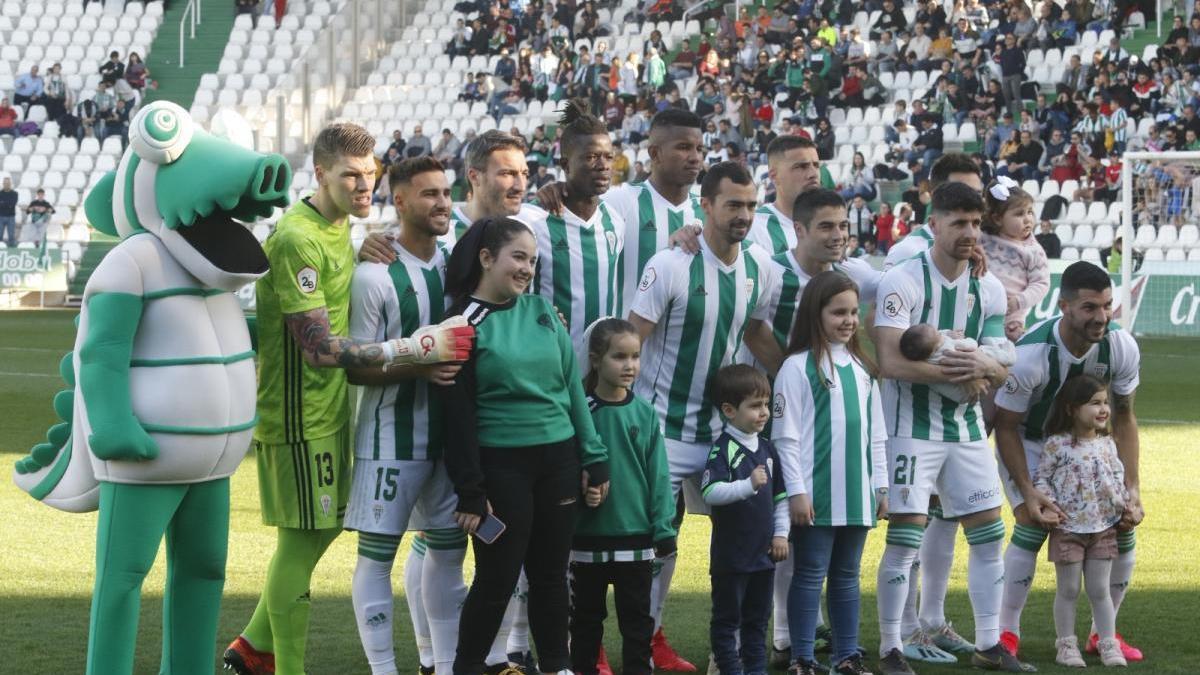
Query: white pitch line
x,y
35,349
29,374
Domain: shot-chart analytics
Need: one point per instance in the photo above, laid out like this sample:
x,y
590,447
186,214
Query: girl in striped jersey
x,y
616,543
830,434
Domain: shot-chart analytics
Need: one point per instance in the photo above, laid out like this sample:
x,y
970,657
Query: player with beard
x,y
953,167
938,441
1082,341
399,481
794,167
692,312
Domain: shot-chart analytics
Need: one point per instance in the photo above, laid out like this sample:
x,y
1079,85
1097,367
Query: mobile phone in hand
x,y
490,529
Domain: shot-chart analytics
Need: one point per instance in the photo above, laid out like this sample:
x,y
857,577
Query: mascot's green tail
x,y
43,470
58,437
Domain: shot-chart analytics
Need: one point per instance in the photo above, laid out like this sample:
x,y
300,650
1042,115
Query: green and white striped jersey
x,y
917,242
1044,364
701,307
649,222
915,292
398,421
459,222
772,230
577,264
829,430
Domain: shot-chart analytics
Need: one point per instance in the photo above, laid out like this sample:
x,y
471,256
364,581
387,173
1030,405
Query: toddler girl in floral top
x,y
1081,472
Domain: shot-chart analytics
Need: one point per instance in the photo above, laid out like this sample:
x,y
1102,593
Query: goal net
x,y
1159,282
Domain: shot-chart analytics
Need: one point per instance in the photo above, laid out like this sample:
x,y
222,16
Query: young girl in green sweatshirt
x,y
616,542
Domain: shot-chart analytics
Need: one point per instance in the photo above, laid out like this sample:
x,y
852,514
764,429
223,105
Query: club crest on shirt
x,y
904,495
306,278
749,286
970,302
648,279
377,510
892,305
1100,370
778,406
611,238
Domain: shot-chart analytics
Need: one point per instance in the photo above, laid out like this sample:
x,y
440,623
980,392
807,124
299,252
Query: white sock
x,y
499,650
783,581
518,637
985,580
414,573
1065,595
937,557
443,571
1097,577
892,584
908,620
1019,568
660,586
371,596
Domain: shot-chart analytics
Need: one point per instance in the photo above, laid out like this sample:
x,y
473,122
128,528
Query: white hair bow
x,y
1002,188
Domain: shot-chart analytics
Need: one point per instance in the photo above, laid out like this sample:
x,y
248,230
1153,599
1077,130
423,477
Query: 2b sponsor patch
x,y
648,279
306,279
892,305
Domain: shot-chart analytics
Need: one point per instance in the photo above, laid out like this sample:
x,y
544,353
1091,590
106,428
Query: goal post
x,y
1158,189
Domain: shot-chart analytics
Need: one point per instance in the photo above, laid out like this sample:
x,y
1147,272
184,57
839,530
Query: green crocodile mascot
x,y
163,401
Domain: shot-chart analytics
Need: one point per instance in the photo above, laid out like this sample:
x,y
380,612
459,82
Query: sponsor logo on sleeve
x,y
306,278
778,406
648,279
892,305
1010,384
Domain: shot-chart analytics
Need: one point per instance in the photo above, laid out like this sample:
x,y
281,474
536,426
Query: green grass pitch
x,y
46,569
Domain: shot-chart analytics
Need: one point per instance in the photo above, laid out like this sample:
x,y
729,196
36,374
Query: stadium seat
x,y
1070,253
1097,213
1189,235
1103,236
1175,255
1083,235
1167,236
1090,255
1153,255
1064,233
1076,213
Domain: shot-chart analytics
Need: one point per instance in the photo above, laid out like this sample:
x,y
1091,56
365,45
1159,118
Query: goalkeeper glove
x,y
449,340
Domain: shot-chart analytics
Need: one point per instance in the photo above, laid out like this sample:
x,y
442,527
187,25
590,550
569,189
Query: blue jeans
x,y
741,603
833,553
8,230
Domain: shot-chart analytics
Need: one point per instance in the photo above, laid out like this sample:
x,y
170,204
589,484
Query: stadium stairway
x,y
201,54
93,253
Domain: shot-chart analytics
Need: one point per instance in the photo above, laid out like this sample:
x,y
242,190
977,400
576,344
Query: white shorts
x,y
392,496
1033,457
686,461
964,474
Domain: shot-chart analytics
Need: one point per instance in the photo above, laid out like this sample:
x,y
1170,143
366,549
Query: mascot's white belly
x,y
192,380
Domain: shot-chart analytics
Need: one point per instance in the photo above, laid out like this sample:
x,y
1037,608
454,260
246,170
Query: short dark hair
x,y
735,172
578,123
782,144
674,117
736,383
401,173
951,197
482,147
806,204
952,162
1083,275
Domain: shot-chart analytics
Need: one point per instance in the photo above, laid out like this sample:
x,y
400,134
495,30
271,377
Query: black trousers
x,y
535,491
589,595
741,607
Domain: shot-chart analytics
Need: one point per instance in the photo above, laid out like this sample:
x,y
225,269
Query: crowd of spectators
x,y
39,98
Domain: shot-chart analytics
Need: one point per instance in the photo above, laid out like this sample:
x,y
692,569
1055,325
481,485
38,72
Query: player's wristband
x,y
389,352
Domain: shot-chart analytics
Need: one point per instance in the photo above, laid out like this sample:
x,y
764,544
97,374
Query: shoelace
x,y
949,633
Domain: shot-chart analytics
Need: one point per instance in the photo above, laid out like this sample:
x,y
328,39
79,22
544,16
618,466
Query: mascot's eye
x,y
160,132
